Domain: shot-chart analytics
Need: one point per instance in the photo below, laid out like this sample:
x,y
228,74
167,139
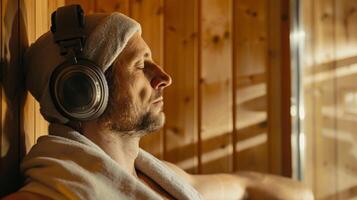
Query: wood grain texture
x,y
345,95
11,88
87,5
251,59
27,117
42,19
285,94
329,88
325,106
216,86
193,41
181,63
273,77
308,168
108,6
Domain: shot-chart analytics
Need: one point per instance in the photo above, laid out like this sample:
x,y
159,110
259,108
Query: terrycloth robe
x,y
67,165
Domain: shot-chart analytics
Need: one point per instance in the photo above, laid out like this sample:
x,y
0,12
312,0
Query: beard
x,y
126,119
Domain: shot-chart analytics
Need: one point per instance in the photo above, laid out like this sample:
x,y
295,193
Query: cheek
x,y
143,94
141,89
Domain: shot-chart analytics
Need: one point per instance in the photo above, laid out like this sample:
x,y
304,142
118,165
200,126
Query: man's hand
x,y
266,186
245,185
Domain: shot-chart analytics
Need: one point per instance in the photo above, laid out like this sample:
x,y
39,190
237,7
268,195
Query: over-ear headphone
x,y
78,86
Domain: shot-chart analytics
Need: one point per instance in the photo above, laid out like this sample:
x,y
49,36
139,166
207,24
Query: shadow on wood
x,y
13,44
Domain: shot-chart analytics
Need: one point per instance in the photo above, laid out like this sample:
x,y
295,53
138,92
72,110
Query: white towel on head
x,y
67,165
107,35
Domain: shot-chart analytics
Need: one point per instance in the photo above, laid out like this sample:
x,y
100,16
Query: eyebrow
x,y
140,53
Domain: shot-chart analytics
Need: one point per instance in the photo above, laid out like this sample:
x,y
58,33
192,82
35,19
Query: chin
x,y
138,126
153,123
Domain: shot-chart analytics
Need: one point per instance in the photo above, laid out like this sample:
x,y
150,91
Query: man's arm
x,y
213,186
21,195
245,185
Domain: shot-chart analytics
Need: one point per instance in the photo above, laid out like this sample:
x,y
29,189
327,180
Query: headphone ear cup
x,y
79,91
53,22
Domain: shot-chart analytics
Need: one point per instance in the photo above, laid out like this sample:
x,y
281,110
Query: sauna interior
x,y
264,85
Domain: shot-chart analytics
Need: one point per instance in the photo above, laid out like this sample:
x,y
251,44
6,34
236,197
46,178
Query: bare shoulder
x,y
186,176
22,195
213,186
242,185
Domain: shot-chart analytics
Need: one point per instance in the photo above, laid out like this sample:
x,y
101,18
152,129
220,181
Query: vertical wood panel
x,y
11,46
216,86
149,13
274,87
27,117
330,63
41,26
346,94
182,102
308,82
109,6
285,95
87,5
325,107
251,57
181,62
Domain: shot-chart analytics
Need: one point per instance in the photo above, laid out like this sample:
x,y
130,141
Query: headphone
x,y
78,86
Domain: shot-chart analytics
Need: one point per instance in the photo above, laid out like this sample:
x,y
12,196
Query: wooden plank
x,y
109,6
309,91
87,5
324,51
216,84
250,56
286,93
41,27
10,88
27,116
346,93
149,13
180,61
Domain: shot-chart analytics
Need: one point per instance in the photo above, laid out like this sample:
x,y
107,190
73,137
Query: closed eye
x,y
140,65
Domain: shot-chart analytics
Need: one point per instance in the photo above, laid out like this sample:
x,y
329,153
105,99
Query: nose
x,y
160,79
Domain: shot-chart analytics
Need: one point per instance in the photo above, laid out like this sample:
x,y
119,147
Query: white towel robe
x,y
67,165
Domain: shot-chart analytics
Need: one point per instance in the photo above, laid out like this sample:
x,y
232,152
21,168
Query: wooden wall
x,y
224,109
22,22
330,93
219,54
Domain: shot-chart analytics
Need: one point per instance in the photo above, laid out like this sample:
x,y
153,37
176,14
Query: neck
x,y
121,148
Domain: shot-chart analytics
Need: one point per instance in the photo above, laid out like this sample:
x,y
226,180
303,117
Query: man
x,y
100,158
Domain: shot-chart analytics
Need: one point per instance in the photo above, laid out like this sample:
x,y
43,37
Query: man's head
x,y
115,44
136,86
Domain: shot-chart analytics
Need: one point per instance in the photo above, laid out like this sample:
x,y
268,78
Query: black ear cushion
x,y
79,91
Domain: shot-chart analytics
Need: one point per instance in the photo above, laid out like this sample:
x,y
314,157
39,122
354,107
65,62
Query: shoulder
x,y
213,186
22,195
180,172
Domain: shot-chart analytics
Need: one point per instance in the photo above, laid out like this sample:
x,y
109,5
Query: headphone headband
x,y
68,29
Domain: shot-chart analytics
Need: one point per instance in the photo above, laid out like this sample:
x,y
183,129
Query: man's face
x,y
135,99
